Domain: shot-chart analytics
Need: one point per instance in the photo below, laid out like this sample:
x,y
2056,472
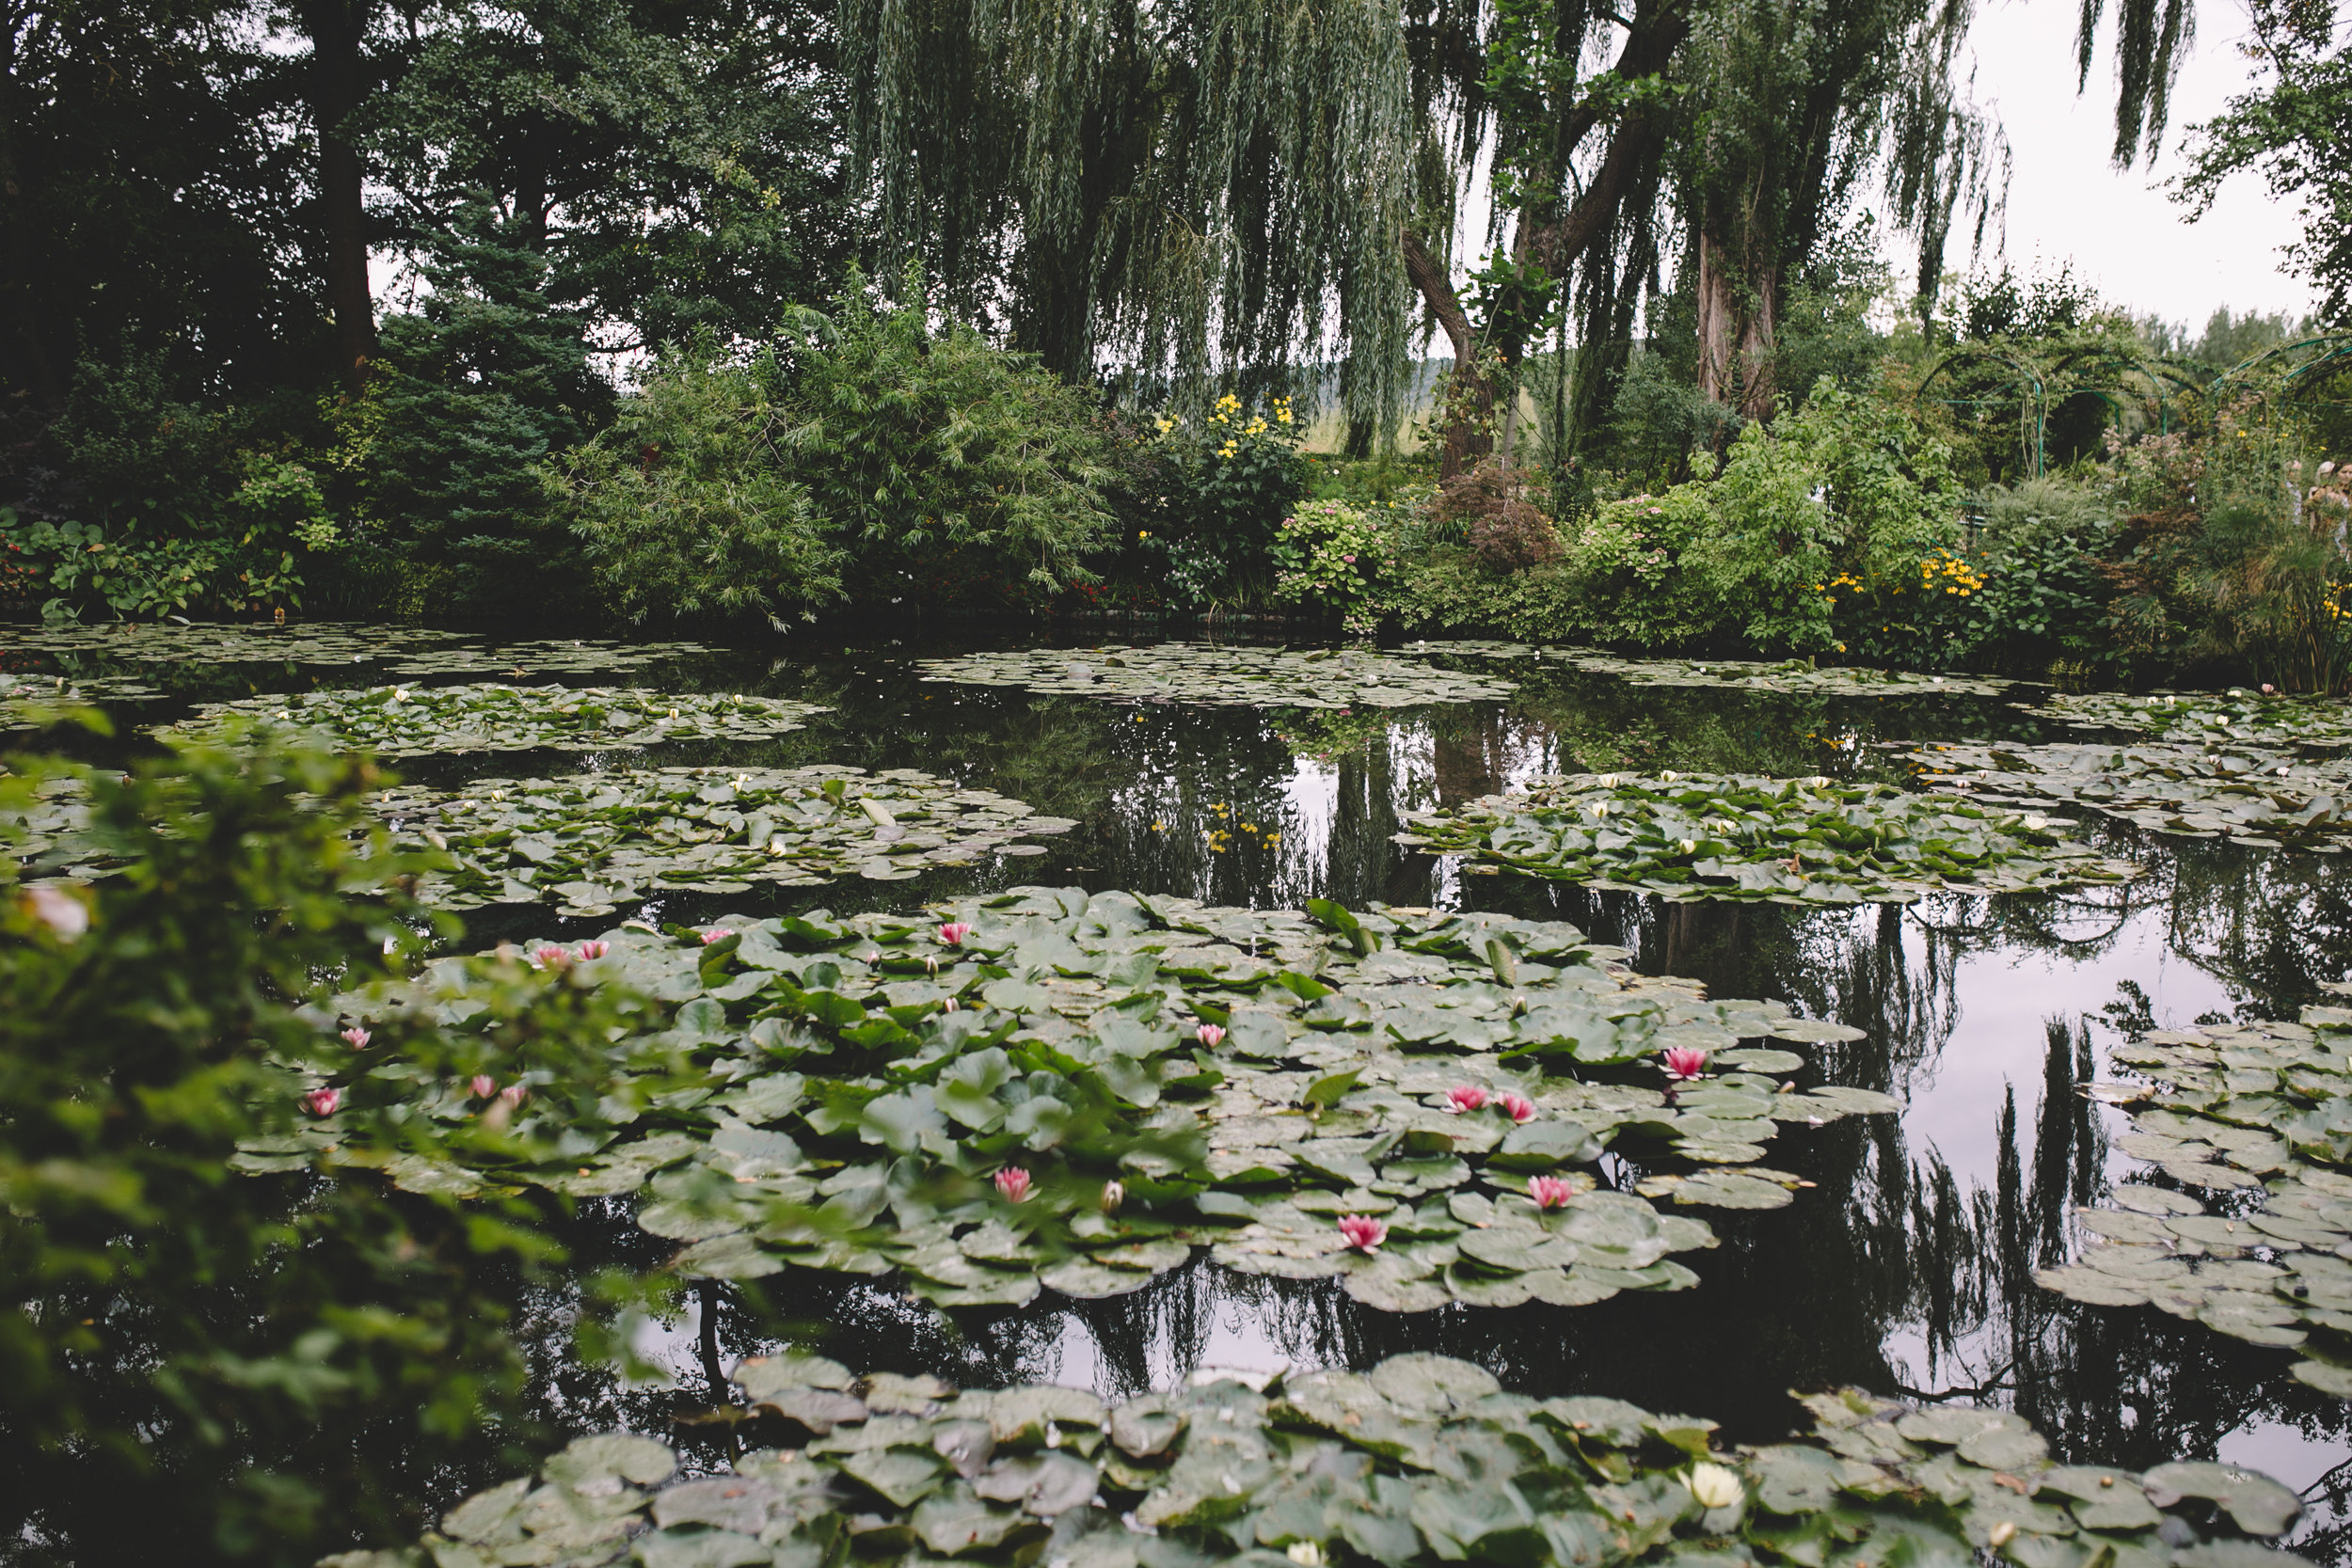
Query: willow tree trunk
x,y
335,30
1471,400
1739,313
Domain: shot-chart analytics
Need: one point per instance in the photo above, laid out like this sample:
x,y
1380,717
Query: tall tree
x,y
336,86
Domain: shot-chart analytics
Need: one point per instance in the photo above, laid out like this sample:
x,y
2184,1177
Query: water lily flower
x,y
1013,1183
1713,1486
514,1094
1464,1096
549,956
483,1086
356,1038
1305,1553
1685,1062
953,933
1518,1107
1550,1192
1209,1035
321,1102
1363,1233
593,950
950,1004
2269,690
63,913
1114,1194
717,933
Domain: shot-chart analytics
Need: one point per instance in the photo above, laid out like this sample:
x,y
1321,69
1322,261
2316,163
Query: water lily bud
x,y
1305,1553
2001,1534
1114,1194
1714,1486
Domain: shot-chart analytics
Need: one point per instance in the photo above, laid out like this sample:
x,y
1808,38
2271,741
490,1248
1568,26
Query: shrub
x,y
1493,506
1203,502
685,503
1332,557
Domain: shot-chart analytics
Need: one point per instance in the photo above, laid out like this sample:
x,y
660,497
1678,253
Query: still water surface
x,y
1907,1268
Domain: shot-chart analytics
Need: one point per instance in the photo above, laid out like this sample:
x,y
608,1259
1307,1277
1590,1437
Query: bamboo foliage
x,y
1203,191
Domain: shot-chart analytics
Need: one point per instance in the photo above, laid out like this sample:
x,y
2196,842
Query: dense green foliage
x,y
272,1354
873,457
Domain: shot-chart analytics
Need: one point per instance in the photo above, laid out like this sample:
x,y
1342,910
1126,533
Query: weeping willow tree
x,y
2151,39
1799,104
1203,191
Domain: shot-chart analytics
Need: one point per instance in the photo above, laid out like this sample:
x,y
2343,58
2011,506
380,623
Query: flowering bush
x,y
1203,502
1330,556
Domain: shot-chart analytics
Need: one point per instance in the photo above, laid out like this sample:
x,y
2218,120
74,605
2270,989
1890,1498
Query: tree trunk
x,y
24,350
1471,399
336,29
1739,311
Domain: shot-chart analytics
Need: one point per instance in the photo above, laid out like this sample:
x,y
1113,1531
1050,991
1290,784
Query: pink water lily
x,y
953,933
1012,1182
717,933
549,956
1209,1035
1518,1107
1465,1096
1685,1062
514,1094
1363,1233
356,1038
483,1086
1550,1192
321,1102
590,951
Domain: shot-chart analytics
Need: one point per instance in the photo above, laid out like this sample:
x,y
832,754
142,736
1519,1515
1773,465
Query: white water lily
x,y
1819,781
400,693
1305,1553
1669,775
1690,846
1714,1486
2037,822
1598,808
1608,781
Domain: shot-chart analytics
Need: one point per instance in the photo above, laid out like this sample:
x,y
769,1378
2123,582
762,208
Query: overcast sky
x,y
2125,235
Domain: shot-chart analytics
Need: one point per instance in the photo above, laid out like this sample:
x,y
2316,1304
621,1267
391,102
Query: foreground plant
x,y
268,1355
1419,1461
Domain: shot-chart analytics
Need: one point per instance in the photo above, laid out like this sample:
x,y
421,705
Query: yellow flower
x,y
1143,533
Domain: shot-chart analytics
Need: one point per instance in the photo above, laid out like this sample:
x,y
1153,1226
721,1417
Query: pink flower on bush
x,y
483,1086
1685,1062
1349,559
1550,1192
321,1102
1520,1107
1464,1096
356,1038
1363,1233
717,933
1209,1035
953,933
593,950
1013,1183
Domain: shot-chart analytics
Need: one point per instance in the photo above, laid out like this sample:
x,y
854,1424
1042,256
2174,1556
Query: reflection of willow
x,y
2128,1387
2269,925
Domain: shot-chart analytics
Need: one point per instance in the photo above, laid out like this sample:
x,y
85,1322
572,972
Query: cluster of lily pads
x,y
1728,836
2233,718
590,842
1052,1090
1792,675
400,650
1222,674
2265,799
403,720
1420,1460
2258,1117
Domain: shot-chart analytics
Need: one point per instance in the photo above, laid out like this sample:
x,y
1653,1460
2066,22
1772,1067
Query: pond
x,y
1905,1264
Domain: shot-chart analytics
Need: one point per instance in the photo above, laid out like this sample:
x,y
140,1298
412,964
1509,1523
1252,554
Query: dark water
x,y
1907,1268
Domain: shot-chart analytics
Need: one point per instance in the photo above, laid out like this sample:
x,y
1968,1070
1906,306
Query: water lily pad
x,y
405,720
2238,792
1686,837
1222,674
